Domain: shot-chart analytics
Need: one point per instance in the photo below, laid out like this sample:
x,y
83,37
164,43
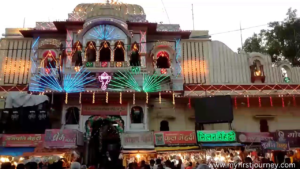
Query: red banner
x,y
60,139
110,109
22,140
175,138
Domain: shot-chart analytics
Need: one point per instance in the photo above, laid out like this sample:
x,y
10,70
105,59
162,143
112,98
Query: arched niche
x,y
72,115
163,48
137,115
77,53
49,59
164,125
90,51
285,71
163,60
256,56
119,52
105,52
135,58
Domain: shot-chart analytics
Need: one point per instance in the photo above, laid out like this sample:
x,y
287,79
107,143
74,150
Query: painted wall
x,y
181,118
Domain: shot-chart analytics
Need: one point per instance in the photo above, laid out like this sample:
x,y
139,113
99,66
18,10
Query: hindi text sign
x,y
216,136
111,109
137,140
21,140
61,138
175,138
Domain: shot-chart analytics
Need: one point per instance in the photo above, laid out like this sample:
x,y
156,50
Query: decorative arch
x,y
72,115
90,51
119,52
256,56
105,52
163,60
49,59
105,32
76,53
135,59
166,48
137,115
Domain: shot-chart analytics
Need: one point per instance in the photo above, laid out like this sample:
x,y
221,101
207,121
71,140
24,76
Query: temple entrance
x,y
104,145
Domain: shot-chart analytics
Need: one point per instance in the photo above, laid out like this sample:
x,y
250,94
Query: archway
x,y
105,52
163,60
90,51
72,115
137,115
135,59
77,58
105,142
119,52
49,59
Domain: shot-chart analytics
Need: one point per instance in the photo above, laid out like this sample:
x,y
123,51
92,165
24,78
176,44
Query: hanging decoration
x,y
143,42
163,71
235,103
89,64
44,80
153,83
173,98
159,98
66,99
104,79
104,64
178,56
120,97
286,79
75,84
271,102
147,98
248,101
124,81
133,101
106,97
135,69
282,100
259,102
93,97
80,98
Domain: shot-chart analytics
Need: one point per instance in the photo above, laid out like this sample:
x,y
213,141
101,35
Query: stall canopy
x,y
175,140
15,151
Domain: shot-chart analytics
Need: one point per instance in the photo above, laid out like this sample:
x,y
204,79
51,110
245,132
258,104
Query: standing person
x,y
189,166
160,166
243,154
168,164
143,164
152,162
158,162
6,165
20,166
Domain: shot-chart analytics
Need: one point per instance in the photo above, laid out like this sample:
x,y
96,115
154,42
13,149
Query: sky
x,y
216,16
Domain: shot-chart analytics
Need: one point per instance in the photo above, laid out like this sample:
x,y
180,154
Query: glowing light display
x,y
135,69
152,83
104,32
75,84
216,136
163,71
104,79
178,56
124,81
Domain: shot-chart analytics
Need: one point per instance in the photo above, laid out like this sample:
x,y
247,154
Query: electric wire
x,y
162,1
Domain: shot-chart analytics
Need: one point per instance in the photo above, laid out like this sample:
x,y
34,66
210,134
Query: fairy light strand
x,y
106,97
66,101
173,98
80,98
120,97
93,97
147,98
159,99
133,101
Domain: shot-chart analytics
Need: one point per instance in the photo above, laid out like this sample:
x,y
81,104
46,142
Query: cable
x,y
166,11
238,29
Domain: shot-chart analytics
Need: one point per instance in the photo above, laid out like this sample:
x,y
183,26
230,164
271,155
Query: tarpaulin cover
x,y
17,99
15,151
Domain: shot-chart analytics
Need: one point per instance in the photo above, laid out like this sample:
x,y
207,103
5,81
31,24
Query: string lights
x,y
173,98
104,32
93,97
66,99
133,101
259,102
120,97
80,98
271,102
106,97
153,83
159,98
147,98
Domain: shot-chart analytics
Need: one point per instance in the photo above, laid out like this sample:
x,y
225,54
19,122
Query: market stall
x,y
137,146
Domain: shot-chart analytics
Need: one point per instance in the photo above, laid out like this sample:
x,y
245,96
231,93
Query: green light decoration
x,y
287,80
216,136
124,81
136,69
152,83
89,64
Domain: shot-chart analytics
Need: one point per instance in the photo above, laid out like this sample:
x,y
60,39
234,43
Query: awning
x,y
221,145
15,151
176,148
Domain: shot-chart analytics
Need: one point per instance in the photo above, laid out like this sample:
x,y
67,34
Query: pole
x,y
241,35
193,17
24,23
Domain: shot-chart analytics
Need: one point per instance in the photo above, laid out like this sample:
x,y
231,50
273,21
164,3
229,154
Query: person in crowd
x,y
40,165
158,162
147,167
75,165
168,164
180,165
190,166
243,154
152,162
160,166
202,165
20,166
143,164
6,165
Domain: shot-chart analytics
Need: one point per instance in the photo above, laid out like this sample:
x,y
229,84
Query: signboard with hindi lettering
x,y
56,138
22,140
275,145
137,140
291,136
175,138
105,109
216,136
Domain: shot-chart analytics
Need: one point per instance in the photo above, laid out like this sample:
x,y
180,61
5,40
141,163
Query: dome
x,y
120,11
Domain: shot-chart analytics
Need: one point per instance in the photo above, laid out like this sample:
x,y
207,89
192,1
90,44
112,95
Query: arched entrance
x,y
103,133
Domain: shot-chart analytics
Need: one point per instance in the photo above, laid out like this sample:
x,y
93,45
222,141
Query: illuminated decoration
x,y
163,71
286,79
152,83
49,58
80,98
133,100
45,80
106,97
33,51
89,64
178,56
216,136
124,81
75,84
147,98
104,79
159,98
162,54
248,101
66,99
143,42
257,72
54,42
282,101
104,32
135,69
93,97
69,42
120,97
173,98
119,64
104,64
271,102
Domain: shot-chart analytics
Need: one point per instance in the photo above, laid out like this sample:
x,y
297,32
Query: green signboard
x,y
216,136
89,64
287,80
